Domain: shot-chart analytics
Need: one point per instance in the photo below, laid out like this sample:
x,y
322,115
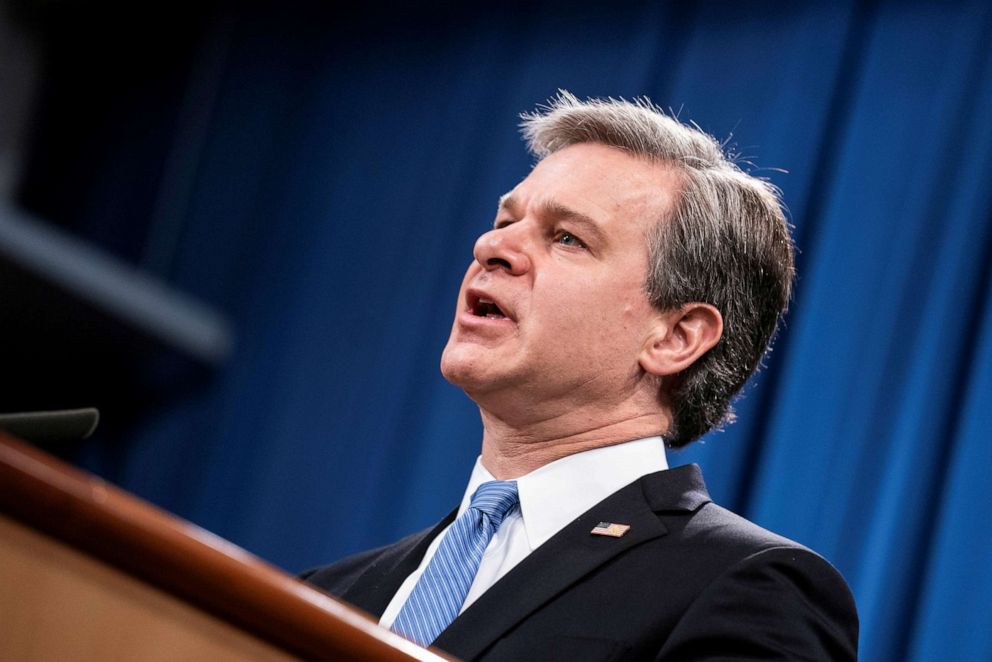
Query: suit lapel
x,y
373,590
570,555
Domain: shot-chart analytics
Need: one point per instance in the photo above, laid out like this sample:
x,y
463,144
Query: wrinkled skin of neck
x,y
520,436
513,446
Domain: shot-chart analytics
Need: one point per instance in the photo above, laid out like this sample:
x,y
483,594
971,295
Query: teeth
x,y
488,308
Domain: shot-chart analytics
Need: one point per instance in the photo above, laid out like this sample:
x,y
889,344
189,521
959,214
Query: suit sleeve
x,y
782,603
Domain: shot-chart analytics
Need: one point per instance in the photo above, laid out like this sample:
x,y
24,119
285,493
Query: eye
x,y
568,239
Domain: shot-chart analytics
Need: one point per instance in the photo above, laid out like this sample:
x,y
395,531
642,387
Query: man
x,y
629,287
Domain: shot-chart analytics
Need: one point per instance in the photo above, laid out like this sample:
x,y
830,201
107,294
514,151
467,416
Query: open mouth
x,y
487,308
484,307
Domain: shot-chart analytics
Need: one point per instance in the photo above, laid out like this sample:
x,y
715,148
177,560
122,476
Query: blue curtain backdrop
x,y
342,168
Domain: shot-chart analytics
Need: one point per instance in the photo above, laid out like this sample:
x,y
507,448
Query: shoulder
x,y
781,602
713,537
726,534
704,529
755,589
740,548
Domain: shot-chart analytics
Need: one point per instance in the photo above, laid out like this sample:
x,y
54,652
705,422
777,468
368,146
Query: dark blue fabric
x,y
350,163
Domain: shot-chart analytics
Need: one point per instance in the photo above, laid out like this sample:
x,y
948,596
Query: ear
x,y
680,337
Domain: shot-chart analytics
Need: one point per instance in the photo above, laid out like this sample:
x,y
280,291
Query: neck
x,y
512,448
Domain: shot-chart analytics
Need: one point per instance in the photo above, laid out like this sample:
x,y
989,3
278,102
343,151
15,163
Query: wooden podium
x,y
89,572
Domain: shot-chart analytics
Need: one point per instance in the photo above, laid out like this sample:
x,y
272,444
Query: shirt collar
x,y
555,494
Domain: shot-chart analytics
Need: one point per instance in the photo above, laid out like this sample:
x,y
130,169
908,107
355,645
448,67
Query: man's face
x,y
553,306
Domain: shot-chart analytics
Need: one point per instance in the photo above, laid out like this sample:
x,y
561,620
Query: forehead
x,y
604,183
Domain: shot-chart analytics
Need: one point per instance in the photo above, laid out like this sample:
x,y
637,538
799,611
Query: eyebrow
x,y
559,212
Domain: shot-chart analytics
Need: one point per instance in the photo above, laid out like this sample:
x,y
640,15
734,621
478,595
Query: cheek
x,y
635,310
606,309
604,321
624,320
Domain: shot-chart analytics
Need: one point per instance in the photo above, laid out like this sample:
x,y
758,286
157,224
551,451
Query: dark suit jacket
x,y
689,581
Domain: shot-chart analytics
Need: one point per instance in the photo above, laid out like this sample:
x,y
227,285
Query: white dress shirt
x,y
550,498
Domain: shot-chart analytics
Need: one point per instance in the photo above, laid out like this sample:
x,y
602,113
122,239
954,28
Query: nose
x,y
504,248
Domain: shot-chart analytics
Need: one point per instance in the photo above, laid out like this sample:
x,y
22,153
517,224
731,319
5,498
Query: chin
x,y
463,367
457,368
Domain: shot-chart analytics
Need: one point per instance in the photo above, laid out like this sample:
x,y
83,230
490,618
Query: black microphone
x,y
51,427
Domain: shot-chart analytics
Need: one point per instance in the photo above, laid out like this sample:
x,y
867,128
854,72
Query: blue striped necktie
x,y
438,596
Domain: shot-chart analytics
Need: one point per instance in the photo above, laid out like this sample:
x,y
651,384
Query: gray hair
x,y
726,243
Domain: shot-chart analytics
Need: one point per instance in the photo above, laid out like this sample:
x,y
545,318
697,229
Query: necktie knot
x,y
495,498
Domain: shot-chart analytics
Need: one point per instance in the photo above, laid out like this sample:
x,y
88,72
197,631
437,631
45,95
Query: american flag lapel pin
x,y
610,529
